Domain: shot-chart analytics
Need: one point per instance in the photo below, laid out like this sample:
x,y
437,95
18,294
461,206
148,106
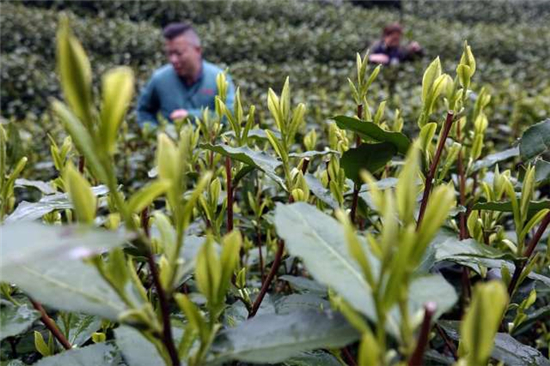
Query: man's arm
x,y
148,105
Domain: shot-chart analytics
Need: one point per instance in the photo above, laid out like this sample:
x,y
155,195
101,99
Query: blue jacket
x,y
166,92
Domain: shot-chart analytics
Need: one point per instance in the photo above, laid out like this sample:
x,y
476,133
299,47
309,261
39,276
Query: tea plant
x,y
247,244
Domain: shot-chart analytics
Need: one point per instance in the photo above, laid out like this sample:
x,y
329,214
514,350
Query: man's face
x,y
183,55
393,39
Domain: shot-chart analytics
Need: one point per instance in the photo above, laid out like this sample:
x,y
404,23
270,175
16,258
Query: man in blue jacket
x,y
186,85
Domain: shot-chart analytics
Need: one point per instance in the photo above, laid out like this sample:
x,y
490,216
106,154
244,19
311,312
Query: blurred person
x,y
388,50
184,86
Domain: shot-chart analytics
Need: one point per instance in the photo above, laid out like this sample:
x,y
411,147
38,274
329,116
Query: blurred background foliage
x,y
261,42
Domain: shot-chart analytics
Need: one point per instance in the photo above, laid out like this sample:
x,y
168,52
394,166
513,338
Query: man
x,y
187,84
388,50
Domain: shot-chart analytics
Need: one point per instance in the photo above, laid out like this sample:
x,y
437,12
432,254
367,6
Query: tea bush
x,y
390,220
324,41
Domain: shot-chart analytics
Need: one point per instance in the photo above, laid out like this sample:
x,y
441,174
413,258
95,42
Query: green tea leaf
x,y
15,319
45,262
535,140
320,241
511,352
274,338
317,358
312,154
507,206
370,130
137,350
258,159
492,159
82,138
369,157
104,354
118,89
146,195
78,327
75,73
320,192
30,211
481,321
82,197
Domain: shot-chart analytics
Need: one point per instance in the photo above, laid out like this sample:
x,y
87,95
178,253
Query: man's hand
x,y
179,114
414,47
379,58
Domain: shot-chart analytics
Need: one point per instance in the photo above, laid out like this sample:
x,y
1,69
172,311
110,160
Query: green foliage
x,y
237,247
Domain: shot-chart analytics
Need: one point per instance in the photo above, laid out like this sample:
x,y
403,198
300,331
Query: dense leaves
x,y
285,235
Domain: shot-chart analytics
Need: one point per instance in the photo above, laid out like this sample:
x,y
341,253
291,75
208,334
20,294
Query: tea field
x,y
340,214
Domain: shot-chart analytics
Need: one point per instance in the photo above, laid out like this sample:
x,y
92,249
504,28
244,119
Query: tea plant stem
x,y
145,221
433,168
81,164
462,187
448,343
349,358
305,165
418,354
270,276
260,255
466,285
167,338
528,254
229,195
356,186
50,324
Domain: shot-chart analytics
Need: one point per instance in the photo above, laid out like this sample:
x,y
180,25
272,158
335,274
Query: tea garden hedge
x,y
341,214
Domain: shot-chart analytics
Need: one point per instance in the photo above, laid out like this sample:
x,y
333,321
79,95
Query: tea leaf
x,y
369,157
273,338
146,195
492,159
45,262
82,138
138,350
81,194
75,73
257,159
15,319
320,192
30,211
78,327
535,140
320,241
512,352
117,89
507,206
481,321
370,130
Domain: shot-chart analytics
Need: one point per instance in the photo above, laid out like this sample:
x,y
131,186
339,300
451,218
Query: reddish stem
x,y
81,164
270,276
528,253
418,354
50,324
349,358
433,168
305,165
167,337
448,343
229,194
145,221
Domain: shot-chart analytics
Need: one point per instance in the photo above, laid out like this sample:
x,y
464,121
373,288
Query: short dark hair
x,y
392,28
174,30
